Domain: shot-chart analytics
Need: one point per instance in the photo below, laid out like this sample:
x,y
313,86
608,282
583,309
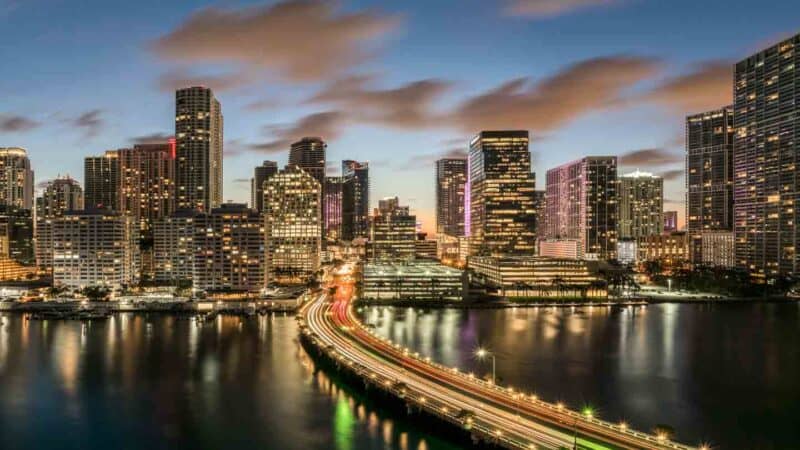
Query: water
x,y
724,374
158,381
728,374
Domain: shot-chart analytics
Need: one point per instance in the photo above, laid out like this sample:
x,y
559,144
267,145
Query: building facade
x,y
332,193
174,248
709,176
355,200
412,281
198,152
718,248
293,224
529,276
16,178
59,196
147,182
501,216
670,221
393,232
16,235
451,180
95,247
582,204
101,180
670,248
640,206
309,154
260,175
766,118
561,248
229,250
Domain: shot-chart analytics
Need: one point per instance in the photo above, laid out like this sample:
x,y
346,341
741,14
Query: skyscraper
x,y
309,154
332,208
16,178
641,205
293,224
355,199
709,176
59,196
582,204
198,137
173,246
766,158
393,232
16,235
502,213
260,175
451,180
670,221
147,182
101,181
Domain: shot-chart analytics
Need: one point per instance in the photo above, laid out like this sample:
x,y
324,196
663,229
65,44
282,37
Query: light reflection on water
x,y
161,381
721,373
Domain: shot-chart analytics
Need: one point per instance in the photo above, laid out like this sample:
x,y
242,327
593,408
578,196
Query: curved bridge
x,y
491,413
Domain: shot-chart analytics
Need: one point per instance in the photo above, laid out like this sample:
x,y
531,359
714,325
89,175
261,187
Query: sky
x,y
398,83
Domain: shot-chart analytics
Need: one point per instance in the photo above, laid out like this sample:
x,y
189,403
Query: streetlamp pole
x,y
483,353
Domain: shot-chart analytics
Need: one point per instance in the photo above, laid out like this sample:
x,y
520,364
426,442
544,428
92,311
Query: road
x,y
510,418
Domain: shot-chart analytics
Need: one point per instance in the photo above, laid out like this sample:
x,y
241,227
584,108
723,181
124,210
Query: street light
x,y
669,284
482,353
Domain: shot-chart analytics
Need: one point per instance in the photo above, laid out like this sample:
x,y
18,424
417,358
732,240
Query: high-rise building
x,y
260,175
198,155
451,180
582,205
229,250
101,181
539,205
59,196
173,247
709,176
670,221
16,178
95,247
502,216
293,224
147,182
16,235
640,205
332,208
355,199
766,158
309,154
393,232
718,248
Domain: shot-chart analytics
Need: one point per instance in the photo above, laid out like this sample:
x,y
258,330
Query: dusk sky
x,y
398,83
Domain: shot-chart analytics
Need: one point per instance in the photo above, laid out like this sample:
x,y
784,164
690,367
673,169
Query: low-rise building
x,y
393,232
627,251
412,281
532,276
561,248
670,247
718,248
173,247
426,249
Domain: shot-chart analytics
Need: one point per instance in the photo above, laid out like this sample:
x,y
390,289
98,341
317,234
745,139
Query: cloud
x,y
15,123
153,138
541,9
408,106
707,86
671,175
178,79
91,122
586,86
649,157
299,40
262,104
241,180
328,125
415,162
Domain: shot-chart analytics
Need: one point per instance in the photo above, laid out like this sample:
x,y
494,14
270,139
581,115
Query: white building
x,y
173,247
412,281
561,248
718,248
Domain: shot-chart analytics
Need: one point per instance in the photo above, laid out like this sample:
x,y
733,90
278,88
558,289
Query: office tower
x,y
766,118
198,155
59,196
16,178
670,221
539,204
260,175
718,248
451,180
147,182
332,208
501,215
641,205
309,154
229,250
582,205
355,199
95,247
672,249
709,176
16,235
293,224
101,181
393,232
173,247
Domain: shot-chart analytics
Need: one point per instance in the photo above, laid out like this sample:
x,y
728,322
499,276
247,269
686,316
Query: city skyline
x,y
352,108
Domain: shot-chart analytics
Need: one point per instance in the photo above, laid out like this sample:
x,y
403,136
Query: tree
x,y
96,293
183,287
55,291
